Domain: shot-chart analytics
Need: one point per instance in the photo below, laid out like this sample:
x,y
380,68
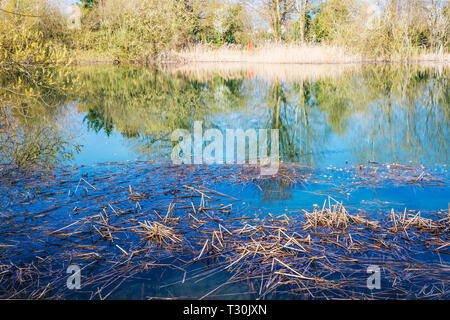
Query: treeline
x,y
35,32
142,29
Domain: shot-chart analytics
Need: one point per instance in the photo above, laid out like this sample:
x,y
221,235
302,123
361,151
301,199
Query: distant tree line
x,y
143,29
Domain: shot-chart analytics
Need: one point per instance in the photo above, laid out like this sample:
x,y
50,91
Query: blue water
x,y
387,114
340,121
342,132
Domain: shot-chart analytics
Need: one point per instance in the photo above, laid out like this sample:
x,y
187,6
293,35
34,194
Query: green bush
x,y
141,29
392,33
32,35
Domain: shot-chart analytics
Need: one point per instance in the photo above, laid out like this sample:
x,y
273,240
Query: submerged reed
x,y
200,232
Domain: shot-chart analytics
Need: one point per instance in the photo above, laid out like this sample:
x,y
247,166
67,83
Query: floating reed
x,y
203,235
157,232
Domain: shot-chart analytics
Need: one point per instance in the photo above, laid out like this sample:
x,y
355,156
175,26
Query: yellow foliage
x,y
31,35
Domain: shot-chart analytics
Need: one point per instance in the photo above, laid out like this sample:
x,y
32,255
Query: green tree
x,y
89,3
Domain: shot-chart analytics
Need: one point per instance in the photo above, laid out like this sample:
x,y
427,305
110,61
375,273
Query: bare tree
x,y
301,8
276,12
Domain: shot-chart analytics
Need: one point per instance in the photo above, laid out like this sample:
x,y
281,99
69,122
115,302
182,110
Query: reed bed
x,y
334,216
273,72
281,53
177,228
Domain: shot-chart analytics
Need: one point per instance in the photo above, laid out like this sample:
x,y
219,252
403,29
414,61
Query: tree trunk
x,y
277,26
301,11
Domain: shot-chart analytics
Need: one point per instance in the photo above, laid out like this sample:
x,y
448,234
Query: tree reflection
x,y
380,113
147,105
31,117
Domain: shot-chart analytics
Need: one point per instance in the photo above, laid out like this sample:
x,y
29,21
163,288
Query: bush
x,y
224,24
393,32
33,34
139,30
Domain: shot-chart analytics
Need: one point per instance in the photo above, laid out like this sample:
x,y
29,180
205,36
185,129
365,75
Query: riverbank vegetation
x,y
35,32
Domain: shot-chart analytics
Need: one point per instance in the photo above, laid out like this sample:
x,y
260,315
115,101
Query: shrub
x,y
139,30
31,34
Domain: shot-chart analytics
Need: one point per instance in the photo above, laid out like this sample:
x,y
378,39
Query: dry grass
x,y
82,57
270,72
269,53
406,221
430,57
335,216
201,233
157,232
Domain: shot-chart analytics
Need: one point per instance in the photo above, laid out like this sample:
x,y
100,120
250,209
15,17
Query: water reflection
x,y
88,115
34,131
381,113
146,105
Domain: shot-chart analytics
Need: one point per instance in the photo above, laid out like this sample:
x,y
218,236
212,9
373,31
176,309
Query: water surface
x,y
106,139
378,113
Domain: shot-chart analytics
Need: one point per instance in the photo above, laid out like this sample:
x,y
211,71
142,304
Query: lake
x,y
362,180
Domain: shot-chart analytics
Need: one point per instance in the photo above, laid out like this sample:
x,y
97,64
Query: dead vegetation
x,y
335,216
174,221
157,232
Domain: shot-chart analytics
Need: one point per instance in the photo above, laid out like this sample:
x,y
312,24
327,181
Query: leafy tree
x,y
89,3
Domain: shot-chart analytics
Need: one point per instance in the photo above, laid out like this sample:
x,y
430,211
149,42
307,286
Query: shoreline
x,y
267,54
204,62
272,71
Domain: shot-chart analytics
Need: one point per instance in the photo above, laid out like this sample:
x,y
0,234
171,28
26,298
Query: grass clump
x,y
335,216
158,233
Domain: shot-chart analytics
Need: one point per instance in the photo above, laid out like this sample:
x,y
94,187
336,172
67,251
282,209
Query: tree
x,y
276,12
302,7
89,3
332,19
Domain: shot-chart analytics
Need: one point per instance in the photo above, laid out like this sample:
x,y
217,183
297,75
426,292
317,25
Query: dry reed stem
x,y
199,232
269,53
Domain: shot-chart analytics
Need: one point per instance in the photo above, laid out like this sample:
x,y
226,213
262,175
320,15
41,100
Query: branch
x,y
20,14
